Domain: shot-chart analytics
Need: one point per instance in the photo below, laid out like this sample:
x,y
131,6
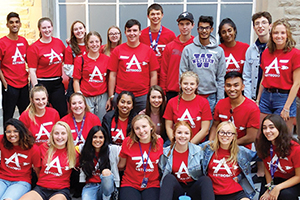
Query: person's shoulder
x,y
250,103
242,44
51,110
66,118
165,29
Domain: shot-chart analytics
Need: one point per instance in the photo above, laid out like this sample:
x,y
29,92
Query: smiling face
x,y
114,35
182,135
142,129
155,16
79,31
94,43
98,141
156,99
189,85
185,27
46,29
234,87
228,33
279,36
270,131
224,139
77,105
40,100
13,24
133,35
204,30
60,136
125,105
261,26
12,135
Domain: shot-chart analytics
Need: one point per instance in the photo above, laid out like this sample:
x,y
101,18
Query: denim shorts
x,y
13,189
46,193
273,103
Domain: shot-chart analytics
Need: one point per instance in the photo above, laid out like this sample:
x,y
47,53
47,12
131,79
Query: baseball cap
x,y
186,15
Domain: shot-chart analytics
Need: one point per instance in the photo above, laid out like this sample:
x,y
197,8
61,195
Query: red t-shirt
x,y
46,58
57,174
133,67
180,166
169,71
103,47
95,174
13,58
278,68
92,74
16,163
244,116
119,134
222,173
286,166
91,120
235,56
194,112
69,59
134,172
43,126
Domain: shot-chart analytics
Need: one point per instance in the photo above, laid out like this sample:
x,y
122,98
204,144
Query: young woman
x,y
18,154
76,48
80,119
117,122
38,118
188,106
228,165
235,51
45,58
181,168
99,161
281,71
139,156
90,73
58,157
280,155
114,38
155,108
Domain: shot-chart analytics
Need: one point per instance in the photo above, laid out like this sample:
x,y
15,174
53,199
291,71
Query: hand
x,y
285,114
274,193
108,105
265,196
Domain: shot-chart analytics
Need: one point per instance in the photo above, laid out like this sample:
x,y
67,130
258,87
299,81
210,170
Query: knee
x,y
106,172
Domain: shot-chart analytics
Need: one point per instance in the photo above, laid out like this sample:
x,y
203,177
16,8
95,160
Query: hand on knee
x,y
106,172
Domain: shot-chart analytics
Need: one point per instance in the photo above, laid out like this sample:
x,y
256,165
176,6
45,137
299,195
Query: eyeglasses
x,y
111,34
263,23
13,131
223,133
201,28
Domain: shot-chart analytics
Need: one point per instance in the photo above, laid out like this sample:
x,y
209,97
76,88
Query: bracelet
x,y
286,110
112,96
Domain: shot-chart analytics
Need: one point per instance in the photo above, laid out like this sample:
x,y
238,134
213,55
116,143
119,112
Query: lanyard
x,y
76,128
273,167
145,164
156,41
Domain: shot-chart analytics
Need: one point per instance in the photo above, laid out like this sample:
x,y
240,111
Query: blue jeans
x,y
13,190
212,99
99,191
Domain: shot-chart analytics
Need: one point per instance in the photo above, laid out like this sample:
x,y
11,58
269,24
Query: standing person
x,y
155,108
18,155
13,74
181,169
58,157
169,71
45,65
206,58
280,155
98,161
90,73
239,110
188,106
114,39
76,48
117,122
281,72
234,50
80,119
252,73
133,67
38,118
141,179
228,165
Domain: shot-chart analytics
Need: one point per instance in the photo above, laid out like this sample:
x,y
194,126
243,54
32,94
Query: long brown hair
x,y
107,48
73,40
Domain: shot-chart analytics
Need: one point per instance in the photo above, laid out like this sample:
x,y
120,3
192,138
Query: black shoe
x,y
257,179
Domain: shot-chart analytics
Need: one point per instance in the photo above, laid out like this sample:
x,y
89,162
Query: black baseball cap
x,y
186,15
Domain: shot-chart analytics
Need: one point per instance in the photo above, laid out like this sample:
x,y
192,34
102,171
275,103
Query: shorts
x,y
46,193
273,103
235,196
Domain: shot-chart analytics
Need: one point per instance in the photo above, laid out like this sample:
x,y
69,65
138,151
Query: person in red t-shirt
x,y
76,48
188,106
90,73
281,71
45,65
234,51
181,168
114,39
280,154
133,67
58,157
117,122
18,155
169,69
13,74
139,156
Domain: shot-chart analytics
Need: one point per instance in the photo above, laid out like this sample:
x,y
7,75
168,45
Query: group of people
x,y
148,118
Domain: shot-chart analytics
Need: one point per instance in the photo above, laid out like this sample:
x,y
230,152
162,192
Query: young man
x,y
13,74
207,59
252,73
169,71
133,67
156,36
240,110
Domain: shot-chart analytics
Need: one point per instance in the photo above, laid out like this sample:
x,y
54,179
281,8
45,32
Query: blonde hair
x,y
71,158
184,75
233,147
